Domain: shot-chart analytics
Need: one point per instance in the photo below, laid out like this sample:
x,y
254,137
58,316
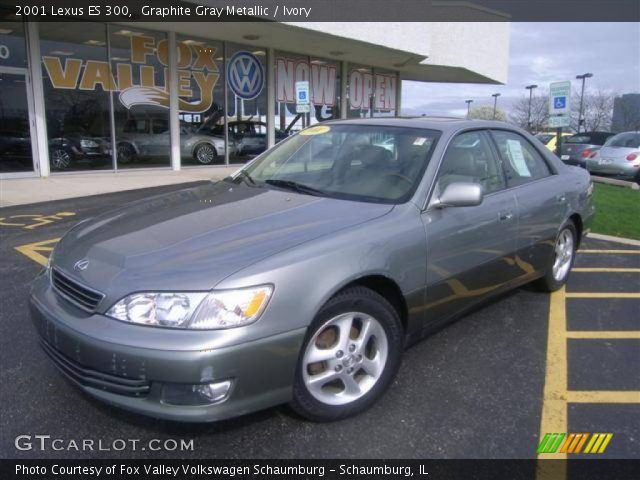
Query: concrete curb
x,y
610,238
615,181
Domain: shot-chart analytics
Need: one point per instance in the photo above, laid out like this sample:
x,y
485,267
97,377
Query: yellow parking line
x,y
630,252
602,295
554,404
606,270
33,250
603,334
603,396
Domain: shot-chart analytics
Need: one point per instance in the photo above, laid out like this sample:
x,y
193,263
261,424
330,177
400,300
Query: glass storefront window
x,y
201,93
76,81
324,92
139,62
15,135
372,92
12,43
246,75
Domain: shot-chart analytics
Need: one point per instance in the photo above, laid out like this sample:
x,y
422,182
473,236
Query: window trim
x,y
551,167
483,131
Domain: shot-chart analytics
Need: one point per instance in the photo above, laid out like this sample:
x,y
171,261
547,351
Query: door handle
x,y
505,216
561,198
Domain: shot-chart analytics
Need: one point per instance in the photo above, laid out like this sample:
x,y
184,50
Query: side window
x,y
521,160
469,158
160,125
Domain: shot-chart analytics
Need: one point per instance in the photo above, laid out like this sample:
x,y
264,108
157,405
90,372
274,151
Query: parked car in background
x,y
252,135
619,156
149,137
302,277
549,139
577,148
79,146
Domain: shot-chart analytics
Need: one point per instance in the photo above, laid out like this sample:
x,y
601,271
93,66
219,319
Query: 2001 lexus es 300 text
x,y
302,277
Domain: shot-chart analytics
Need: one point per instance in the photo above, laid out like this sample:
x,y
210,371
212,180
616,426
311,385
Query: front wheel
x,y
60,159
562,259
351,355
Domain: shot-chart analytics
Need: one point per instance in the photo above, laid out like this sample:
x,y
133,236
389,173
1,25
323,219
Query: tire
x,y
60,159
557,274
205,154
125,153
368,362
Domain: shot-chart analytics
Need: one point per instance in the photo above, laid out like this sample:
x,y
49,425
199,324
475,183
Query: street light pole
x,y
468,102
530,88
582,77
495,104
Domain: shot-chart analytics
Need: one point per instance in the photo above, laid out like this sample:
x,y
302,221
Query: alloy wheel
x,y
564,252
205,154
345,358
60,159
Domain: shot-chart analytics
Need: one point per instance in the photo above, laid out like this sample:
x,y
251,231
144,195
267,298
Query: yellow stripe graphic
x,y
594,437
605,443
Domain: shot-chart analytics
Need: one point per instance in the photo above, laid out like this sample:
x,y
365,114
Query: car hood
x,y
194,238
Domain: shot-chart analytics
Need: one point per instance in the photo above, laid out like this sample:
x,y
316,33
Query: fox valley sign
x,y
194,62
136,79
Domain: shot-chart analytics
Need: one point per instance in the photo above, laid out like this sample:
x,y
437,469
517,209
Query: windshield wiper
x,y
296,187
244,174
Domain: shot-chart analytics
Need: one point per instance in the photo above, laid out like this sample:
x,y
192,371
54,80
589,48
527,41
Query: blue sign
x,y
560,103
302,95
245,75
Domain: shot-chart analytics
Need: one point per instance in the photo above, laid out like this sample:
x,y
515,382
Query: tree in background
x,y
597,110
539,112
485,112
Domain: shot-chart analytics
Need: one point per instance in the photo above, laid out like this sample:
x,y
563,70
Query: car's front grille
x,y
82,296
133,387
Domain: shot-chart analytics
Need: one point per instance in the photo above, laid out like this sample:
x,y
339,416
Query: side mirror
x,y
460,194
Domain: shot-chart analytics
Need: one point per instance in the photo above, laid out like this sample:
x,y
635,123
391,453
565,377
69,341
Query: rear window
x,y
544,137
626,140
579,139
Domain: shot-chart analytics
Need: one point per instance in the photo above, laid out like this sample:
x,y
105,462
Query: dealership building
x,y
115,97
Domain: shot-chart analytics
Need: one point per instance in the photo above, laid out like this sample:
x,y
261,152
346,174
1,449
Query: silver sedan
x,y
302,277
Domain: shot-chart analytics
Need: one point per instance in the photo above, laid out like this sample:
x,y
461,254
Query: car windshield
x,y
626,140
355,162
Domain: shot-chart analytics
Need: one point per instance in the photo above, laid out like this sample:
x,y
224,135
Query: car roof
x,y
431,123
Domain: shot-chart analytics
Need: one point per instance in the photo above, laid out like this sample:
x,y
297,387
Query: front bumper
x,y
133,377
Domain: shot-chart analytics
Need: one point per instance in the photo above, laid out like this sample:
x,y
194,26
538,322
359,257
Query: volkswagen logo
x,y
81,265
245,75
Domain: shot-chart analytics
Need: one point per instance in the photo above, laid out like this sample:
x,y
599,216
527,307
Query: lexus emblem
x,y
81,265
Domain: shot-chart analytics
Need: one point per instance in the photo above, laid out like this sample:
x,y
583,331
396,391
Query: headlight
x,y
194,310
84,143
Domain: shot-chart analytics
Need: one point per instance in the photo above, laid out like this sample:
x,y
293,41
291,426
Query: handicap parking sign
x,y
560,103
302,96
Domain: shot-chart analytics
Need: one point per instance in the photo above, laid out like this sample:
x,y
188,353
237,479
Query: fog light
x,y
199,394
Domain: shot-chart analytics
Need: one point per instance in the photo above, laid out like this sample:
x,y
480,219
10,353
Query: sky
x,y
541,53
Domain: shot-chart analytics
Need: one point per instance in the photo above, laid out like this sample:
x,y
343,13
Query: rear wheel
x,y
125,153
205,153
562,259
351,355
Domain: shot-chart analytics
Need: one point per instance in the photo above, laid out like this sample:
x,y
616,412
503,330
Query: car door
x,y
470,249
541,198
160,139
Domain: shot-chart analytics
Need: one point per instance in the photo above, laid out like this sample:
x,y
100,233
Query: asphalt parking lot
x,y
488,386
